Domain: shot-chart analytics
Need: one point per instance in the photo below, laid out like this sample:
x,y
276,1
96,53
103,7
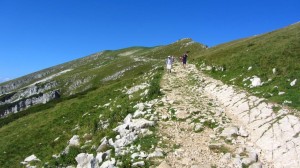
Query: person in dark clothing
x,y
184,59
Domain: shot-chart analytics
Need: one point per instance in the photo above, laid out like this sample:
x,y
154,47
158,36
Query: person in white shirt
x,y
169,63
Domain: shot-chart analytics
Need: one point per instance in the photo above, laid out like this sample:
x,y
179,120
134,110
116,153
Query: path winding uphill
x,y
206,123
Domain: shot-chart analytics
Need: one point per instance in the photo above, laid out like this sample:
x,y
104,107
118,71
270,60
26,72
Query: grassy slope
x,y
278,49
35,132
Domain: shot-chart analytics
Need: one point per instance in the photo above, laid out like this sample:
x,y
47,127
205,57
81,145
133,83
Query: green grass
x,y
34,130
278,49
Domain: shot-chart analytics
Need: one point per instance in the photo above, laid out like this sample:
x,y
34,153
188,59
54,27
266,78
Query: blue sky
x,y
37,34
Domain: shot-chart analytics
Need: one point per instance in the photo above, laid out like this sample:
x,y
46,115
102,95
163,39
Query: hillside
x,y
234,105
266,65
87,97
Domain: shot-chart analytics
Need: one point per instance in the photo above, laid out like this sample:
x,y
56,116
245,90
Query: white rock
x,y
293,82
109,163
56,139
281,93
287,102
139,113
229,131
242,132
56,156
138,164
137,88
143,155
247,161
99,158
31,158
156,154
139,106
74,141
111,142
84,160
106,105
274,70
135,155
128,119
249,68
140,123
255,81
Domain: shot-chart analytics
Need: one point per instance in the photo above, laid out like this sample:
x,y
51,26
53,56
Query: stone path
x,y
205,123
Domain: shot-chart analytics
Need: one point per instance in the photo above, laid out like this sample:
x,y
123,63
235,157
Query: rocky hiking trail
x,y
198,122
205,123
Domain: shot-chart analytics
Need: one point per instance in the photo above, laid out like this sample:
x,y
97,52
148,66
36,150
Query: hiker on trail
x,y
169,63
184,59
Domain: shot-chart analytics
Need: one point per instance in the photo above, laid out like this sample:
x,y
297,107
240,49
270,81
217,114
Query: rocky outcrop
x,y
275,133
23,81
26,92
22,104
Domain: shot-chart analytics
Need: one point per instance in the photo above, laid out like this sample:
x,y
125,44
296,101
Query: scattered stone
x,y
274,70
84,160
255,81
293,82
109,163
156,153
138,164
30,159
74,141
135,155
56,139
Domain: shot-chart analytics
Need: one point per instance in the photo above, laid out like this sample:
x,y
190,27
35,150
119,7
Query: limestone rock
x,y
255,81
29,159
74,141
242,132
138,164
84,160
109,163
156,153
293,82
229,131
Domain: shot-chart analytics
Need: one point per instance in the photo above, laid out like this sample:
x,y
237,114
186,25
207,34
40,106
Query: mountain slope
x,y
95,94
271,57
